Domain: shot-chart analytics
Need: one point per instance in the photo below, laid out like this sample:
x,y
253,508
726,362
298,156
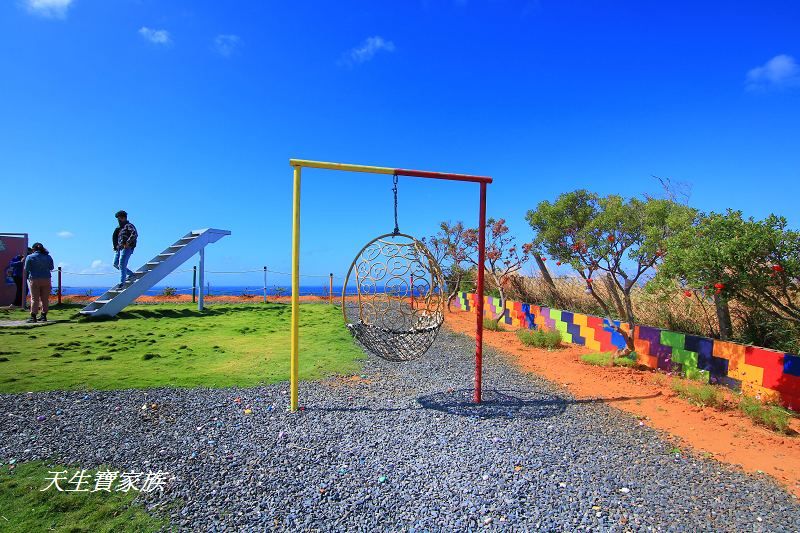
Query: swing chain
x,y
394,190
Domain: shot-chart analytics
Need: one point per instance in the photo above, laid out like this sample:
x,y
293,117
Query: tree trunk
x,y
548,279
454,292
723,317
612,291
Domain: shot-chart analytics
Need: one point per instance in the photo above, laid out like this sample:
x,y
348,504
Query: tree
x,y
503,257
450,250
608,235
754,262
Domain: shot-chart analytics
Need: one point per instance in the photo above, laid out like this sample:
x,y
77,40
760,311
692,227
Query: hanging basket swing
x,y
399,305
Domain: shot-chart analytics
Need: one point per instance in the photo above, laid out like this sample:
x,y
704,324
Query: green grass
x,y
539,338
701,394
771,416
492,325
605,359
173,345
25,507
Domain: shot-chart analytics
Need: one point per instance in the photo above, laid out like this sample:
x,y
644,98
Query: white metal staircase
x,y
117,298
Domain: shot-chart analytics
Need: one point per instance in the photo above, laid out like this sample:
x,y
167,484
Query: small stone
x,y
624,490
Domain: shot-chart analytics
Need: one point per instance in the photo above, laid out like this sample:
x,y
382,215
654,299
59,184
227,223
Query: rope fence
x,y
264,289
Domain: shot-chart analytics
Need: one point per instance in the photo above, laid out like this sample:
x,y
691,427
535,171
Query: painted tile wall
x,y
771,375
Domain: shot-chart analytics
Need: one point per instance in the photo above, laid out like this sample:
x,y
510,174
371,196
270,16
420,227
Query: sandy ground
x,y
727,436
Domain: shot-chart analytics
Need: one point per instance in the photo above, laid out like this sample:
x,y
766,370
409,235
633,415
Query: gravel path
x,y
402,450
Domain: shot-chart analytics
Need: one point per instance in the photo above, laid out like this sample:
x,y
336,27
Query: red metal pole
x,y
479,310
59,285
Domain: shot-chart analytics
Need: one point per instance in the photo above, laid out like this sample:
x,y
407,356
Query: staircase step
x,y
101,302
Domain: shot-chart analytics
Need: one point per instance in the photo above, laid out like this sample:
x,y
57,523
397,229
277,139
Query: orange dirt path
x,y
728,436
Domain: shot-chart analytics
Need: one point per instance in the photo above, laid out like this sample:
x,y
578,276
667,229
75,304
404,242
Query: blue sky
x,y
185,114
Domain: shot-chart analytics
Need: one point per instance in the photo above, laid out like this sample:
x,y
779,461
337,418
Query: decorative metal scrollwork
x,y
399,306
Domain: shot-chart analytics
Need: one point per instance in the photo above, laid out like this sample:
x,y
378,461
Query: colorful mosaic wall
x,y
770,375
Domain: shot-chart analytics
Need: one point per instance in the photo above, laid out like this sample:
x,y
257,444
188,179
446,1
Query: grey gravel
x,y
401,449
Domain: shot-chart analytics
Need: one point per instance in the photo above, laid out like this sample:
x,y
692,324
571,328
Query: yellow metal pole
x,y
340,166
295,288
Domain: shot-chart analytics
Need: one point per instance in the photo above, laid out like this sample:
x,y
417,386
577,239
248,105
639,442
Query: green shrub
x,y
606,358
771,416
539,338
169,291
700,393
492,325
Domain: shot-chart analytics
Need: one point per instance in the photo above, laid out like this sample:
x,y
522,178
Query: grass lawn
x,y
173,345
25,507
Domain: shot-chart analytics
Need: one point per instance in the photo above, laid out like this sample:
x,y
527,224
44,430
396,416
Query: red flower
x,y
610,238
589,281
688,294
719,286
558,263
777,268
543,259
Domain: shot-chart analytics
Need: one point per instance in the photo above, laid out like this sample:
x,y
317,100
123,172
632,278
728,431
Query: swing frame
x,y
298,165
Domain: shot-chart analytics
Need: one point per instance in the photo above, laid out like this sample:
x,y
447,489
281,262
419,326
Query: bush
x,y
700,394
605,359
771,416
169,291
492,325
539,338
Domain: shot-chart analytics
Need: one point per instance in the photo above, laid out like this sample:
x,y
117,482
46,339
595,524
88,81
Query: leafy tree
x,y
450,250
754,262
623,239
503,257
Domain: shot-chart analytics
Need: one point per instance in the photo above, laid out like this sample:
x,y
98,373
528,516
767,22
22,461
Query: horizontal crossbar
x,y
393,171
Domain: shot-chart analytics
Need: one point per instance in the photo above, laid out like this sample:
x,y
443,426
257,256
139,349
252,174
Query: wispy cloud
x,y
64,234
98,266
49,8
367,50
226,44
782,71
155,36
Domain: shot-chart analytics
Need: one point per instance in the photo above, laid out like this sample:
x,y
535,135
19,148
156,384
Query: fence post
x,y
194,283
265,284
59,285
330,290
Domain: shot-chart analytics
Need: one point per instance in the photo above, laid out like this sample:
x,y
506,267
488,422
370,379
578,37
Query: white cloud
x,y
97,263
49,8
367,50
64,234
226,44
779,72
155,36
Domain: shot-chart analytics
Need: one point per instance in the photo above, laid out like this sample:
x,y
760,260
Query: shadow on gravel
x,y
503,404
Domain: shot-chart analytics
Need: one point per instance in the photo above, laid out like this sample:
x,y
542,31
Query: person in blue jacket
x,y
38,266
14,270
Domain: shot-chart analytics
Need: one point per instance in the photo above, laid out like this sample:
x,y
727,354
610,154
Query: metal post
x,y
479,310
330,290
194,284
265,284
59,285
202,276
295,289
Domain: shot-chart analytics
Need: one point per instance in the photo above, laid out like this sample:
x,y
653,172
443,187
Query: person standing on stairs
x,y
114,241
126,242
38,266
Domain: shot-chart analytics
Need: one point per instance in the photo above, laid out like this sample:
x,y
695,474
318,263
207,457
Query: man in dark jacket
x,y
15,272
126,242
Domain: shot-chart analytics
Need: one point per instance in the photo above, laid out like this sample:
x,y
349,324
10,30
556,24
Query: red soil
x,y
728,436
